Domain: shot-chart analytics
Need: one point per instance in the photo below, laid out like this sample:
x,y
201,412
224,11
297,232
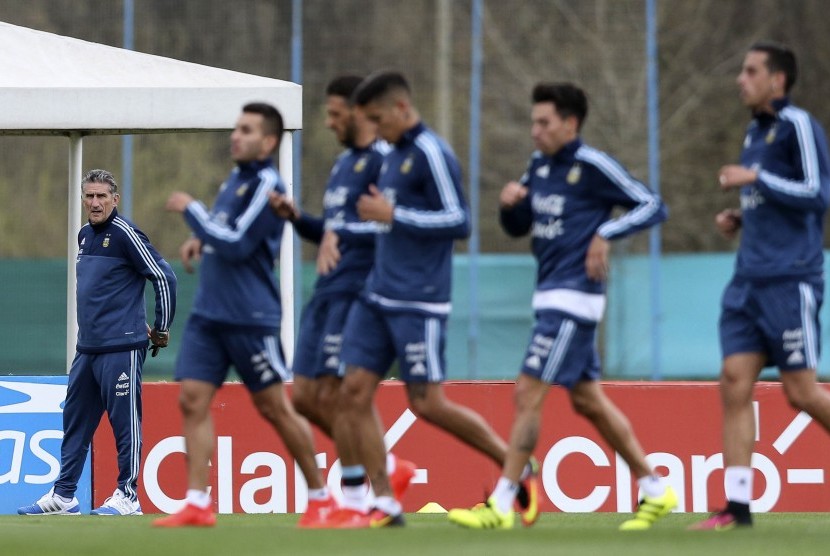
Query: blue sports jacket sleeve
x,y
620,188
518,219
356,233
309,227
442,188
152,266
810,190
236,240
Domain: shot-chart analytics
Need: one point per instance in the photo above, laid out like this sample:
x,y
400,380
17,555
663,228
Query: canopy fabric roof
x,y
55,85
51,84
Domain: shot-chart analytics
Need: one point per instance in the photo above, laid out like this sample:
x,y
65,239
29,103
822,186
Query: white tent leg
x,y
287,286
73,227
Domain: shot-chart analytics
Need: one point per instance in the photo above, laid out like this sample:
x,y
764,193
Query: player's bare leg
x,y
528,397
358,427
272,403
358,393
354,481
428,402
195,397
738,377
737,382
194,401
659,499
497,511
316,400
356,500
805,394
590,401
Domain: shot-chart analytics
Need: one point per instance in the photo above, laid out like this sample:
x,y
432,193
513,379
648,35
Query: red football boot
x,y
189,516
318,514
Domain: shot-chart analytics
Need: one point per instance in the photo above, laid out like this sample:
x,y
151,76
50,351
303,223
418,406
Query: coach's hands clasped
x,y
158,339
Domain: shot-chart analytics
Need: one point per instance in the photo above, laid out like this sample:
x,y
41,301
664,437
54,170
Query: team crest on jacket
x,y
574,174
242,189
407,165
106,242
360,165
771,134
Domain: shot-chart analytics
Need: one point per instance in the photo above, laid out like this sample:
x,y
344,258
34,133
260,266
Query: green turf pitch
x,y
799,534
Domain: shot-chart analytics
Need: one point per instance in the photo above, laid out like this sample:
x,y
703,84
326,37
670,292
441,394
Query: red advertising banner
x,y
678,424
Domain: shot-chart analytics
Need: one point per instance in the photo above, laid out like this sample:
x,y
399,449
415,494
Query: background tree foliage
x,y
599,44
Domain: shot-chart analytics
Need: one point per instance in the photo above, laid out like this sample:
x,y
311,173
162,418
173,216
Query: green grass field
x,y
799,534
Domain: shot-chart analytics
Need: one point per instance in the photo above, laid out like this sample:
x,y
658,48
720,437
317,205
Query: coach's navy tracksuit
x,y
114,260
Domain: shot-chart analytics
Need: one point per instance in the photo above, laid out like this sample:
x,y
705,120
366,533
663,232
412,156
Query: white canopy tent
x,y
56,85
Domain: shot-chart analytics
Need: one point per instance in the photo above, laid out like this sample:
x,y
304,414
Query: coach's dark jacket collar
x,y
98,227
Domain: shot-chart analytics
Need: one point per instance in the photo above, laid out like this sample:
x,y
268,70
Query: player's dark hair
x,y
271,117
100,176
343,86
378,85
568,100
779,58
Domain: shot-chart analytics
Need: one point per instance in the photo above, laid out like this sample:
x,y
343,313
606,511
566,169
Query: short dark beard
x,y
350,136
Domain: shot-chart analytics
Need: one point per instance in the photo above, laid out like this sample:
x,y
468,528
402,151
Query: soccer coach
x,y
115,259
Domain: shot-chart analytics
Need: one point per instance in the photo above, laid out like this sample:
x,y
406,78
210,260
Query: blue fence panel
x,y
692,286
690,299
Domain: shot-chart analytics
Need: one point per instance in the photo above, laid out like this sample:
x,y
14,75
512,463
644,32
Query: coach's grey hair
x,y
100,176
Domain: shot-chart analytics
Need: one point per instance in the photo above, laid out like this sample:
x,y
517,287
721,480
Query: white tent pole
x,y
286,167
73,227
